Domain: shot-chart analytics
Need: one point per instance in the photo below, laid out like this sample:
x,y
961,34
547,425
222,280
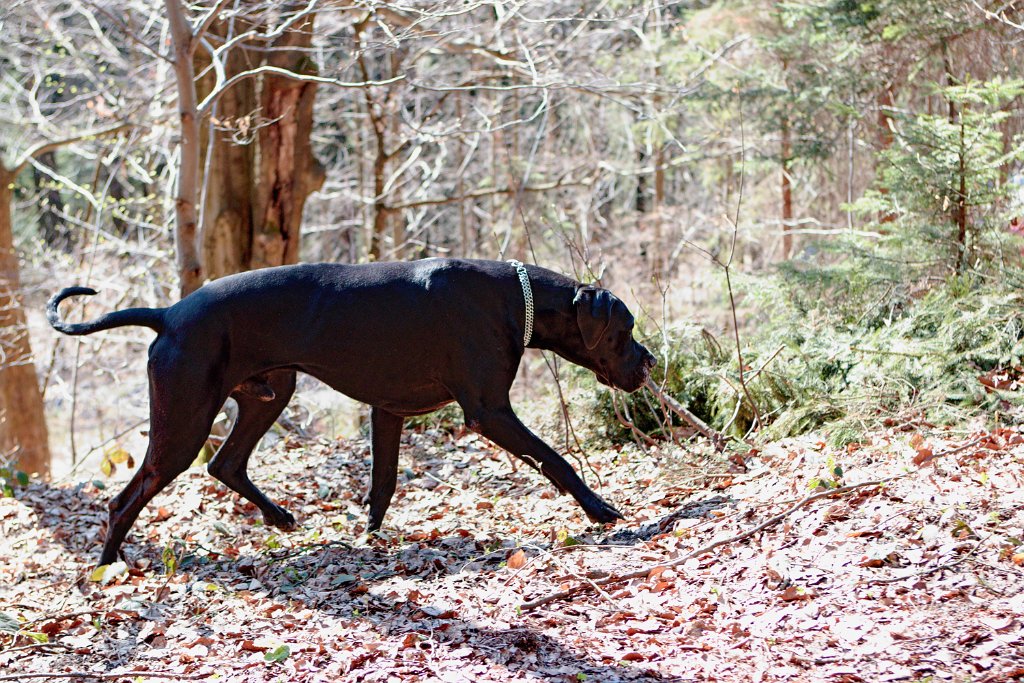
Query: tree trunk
x,y
787,191
885,101
288,172
260,167
228,163
186,246
378,128
22,418
640,201
658,252
380,214
55,231
960,202
960,209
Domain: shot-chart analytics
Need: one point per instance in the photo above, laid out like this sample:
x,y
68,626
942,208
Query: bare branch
x,y
485,192
205,105
999,15
42,148
205,23
131,35
269,35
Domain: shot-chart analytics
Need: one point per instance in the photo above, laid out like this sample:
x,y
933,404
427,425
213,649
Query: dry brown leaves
x,y
919,578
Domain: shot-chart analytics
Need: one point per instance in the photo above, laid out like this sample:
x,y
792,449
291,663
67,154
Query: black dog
x,y
405,338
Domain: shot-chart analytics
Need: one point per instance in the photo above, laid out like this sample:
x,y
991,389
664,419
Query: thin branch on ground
x,y
110,676
716,438
771,521
552,597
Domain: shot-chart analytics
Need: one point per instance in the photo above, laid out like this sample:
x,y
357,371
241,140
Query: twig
x,y
106,676
552,365
533,604
62,616
37,646
915,575
886,352
765,364
717,439
727,266
638,435
953,451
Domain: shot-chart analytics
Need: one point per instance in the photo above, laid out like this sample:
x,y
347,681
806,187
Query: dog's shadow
x,y
352,581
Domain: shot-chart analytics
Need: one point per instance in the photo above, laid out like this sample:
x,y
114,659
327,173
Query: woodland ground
x,y
919,579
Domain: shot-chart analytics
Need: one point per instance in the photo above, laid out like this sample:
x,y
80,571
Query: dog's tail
x,y
153,318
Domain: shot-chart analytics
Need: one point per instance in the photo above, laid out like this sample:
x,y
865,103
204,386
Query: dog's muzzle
x,y
640,375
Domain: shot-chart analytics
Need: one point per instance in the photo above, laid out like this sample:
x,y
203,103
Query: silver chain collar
x,y
524,280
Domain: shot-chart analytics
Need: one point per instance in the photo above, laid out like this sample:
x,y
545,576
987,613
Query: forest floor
x,y
919,578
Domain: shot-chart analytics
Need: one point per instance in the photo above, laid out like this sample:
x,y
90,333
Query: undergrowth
x,y
847,339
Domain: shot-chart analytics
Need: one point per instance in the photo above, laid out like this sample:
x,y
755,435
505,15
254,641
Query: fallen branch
x,y
123,674
625,422
716,438
561,595
915,575
952,451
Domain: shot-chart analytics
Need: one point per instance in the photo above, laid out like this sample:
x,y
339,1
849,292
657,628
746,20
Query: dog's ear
x,y
593,313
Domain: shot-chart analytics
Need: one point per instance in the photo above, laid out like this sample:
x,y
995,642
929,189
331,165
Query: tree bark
x,y
786,154
288,171
22,418
228,163
260,167
186,247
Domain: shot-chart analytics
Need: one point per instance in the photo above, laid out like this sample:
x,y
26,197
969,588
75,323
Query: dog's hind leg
x,y
256,414
176,435
385,435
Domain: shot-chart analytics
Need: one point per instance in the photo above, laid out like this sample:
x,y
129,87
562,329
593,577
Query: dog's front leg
x,y
500,425
385,434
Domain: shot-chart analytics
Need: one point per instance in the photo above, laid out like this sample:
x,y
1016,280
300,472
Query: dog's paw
x,y
602,513
281,518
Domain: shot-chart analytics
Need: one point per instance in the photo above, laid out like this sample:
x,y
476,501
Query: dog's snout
x,y
650,361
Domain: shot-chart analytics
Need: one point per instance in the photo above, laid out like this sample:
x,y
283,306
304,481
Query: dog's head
x,y
605,343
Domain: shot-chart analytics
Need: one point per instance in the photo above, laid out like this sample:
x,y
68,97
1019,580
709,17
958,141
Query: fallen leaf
x,y
106,573
794,593
516,560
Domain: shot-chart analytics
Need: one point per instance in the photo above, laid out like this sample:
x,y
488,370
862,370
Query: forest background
x,y
813,207
833,186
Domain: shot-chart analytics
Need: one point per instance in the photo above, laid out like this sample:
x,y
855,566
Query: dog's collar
x,y
524,280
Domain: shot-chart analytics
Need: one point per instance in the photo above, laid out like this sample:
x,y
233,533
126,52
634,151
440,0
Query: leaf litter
x,y
917,578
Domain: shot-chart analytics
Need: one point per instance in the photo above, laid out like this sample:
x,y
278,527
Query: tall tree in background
x,y
254,195
258,163
23,435
44,69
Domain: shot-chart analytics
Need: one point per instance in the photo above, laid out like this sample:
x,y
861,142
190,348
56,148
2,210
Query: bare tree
x,y
259,165
22,417
23,433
